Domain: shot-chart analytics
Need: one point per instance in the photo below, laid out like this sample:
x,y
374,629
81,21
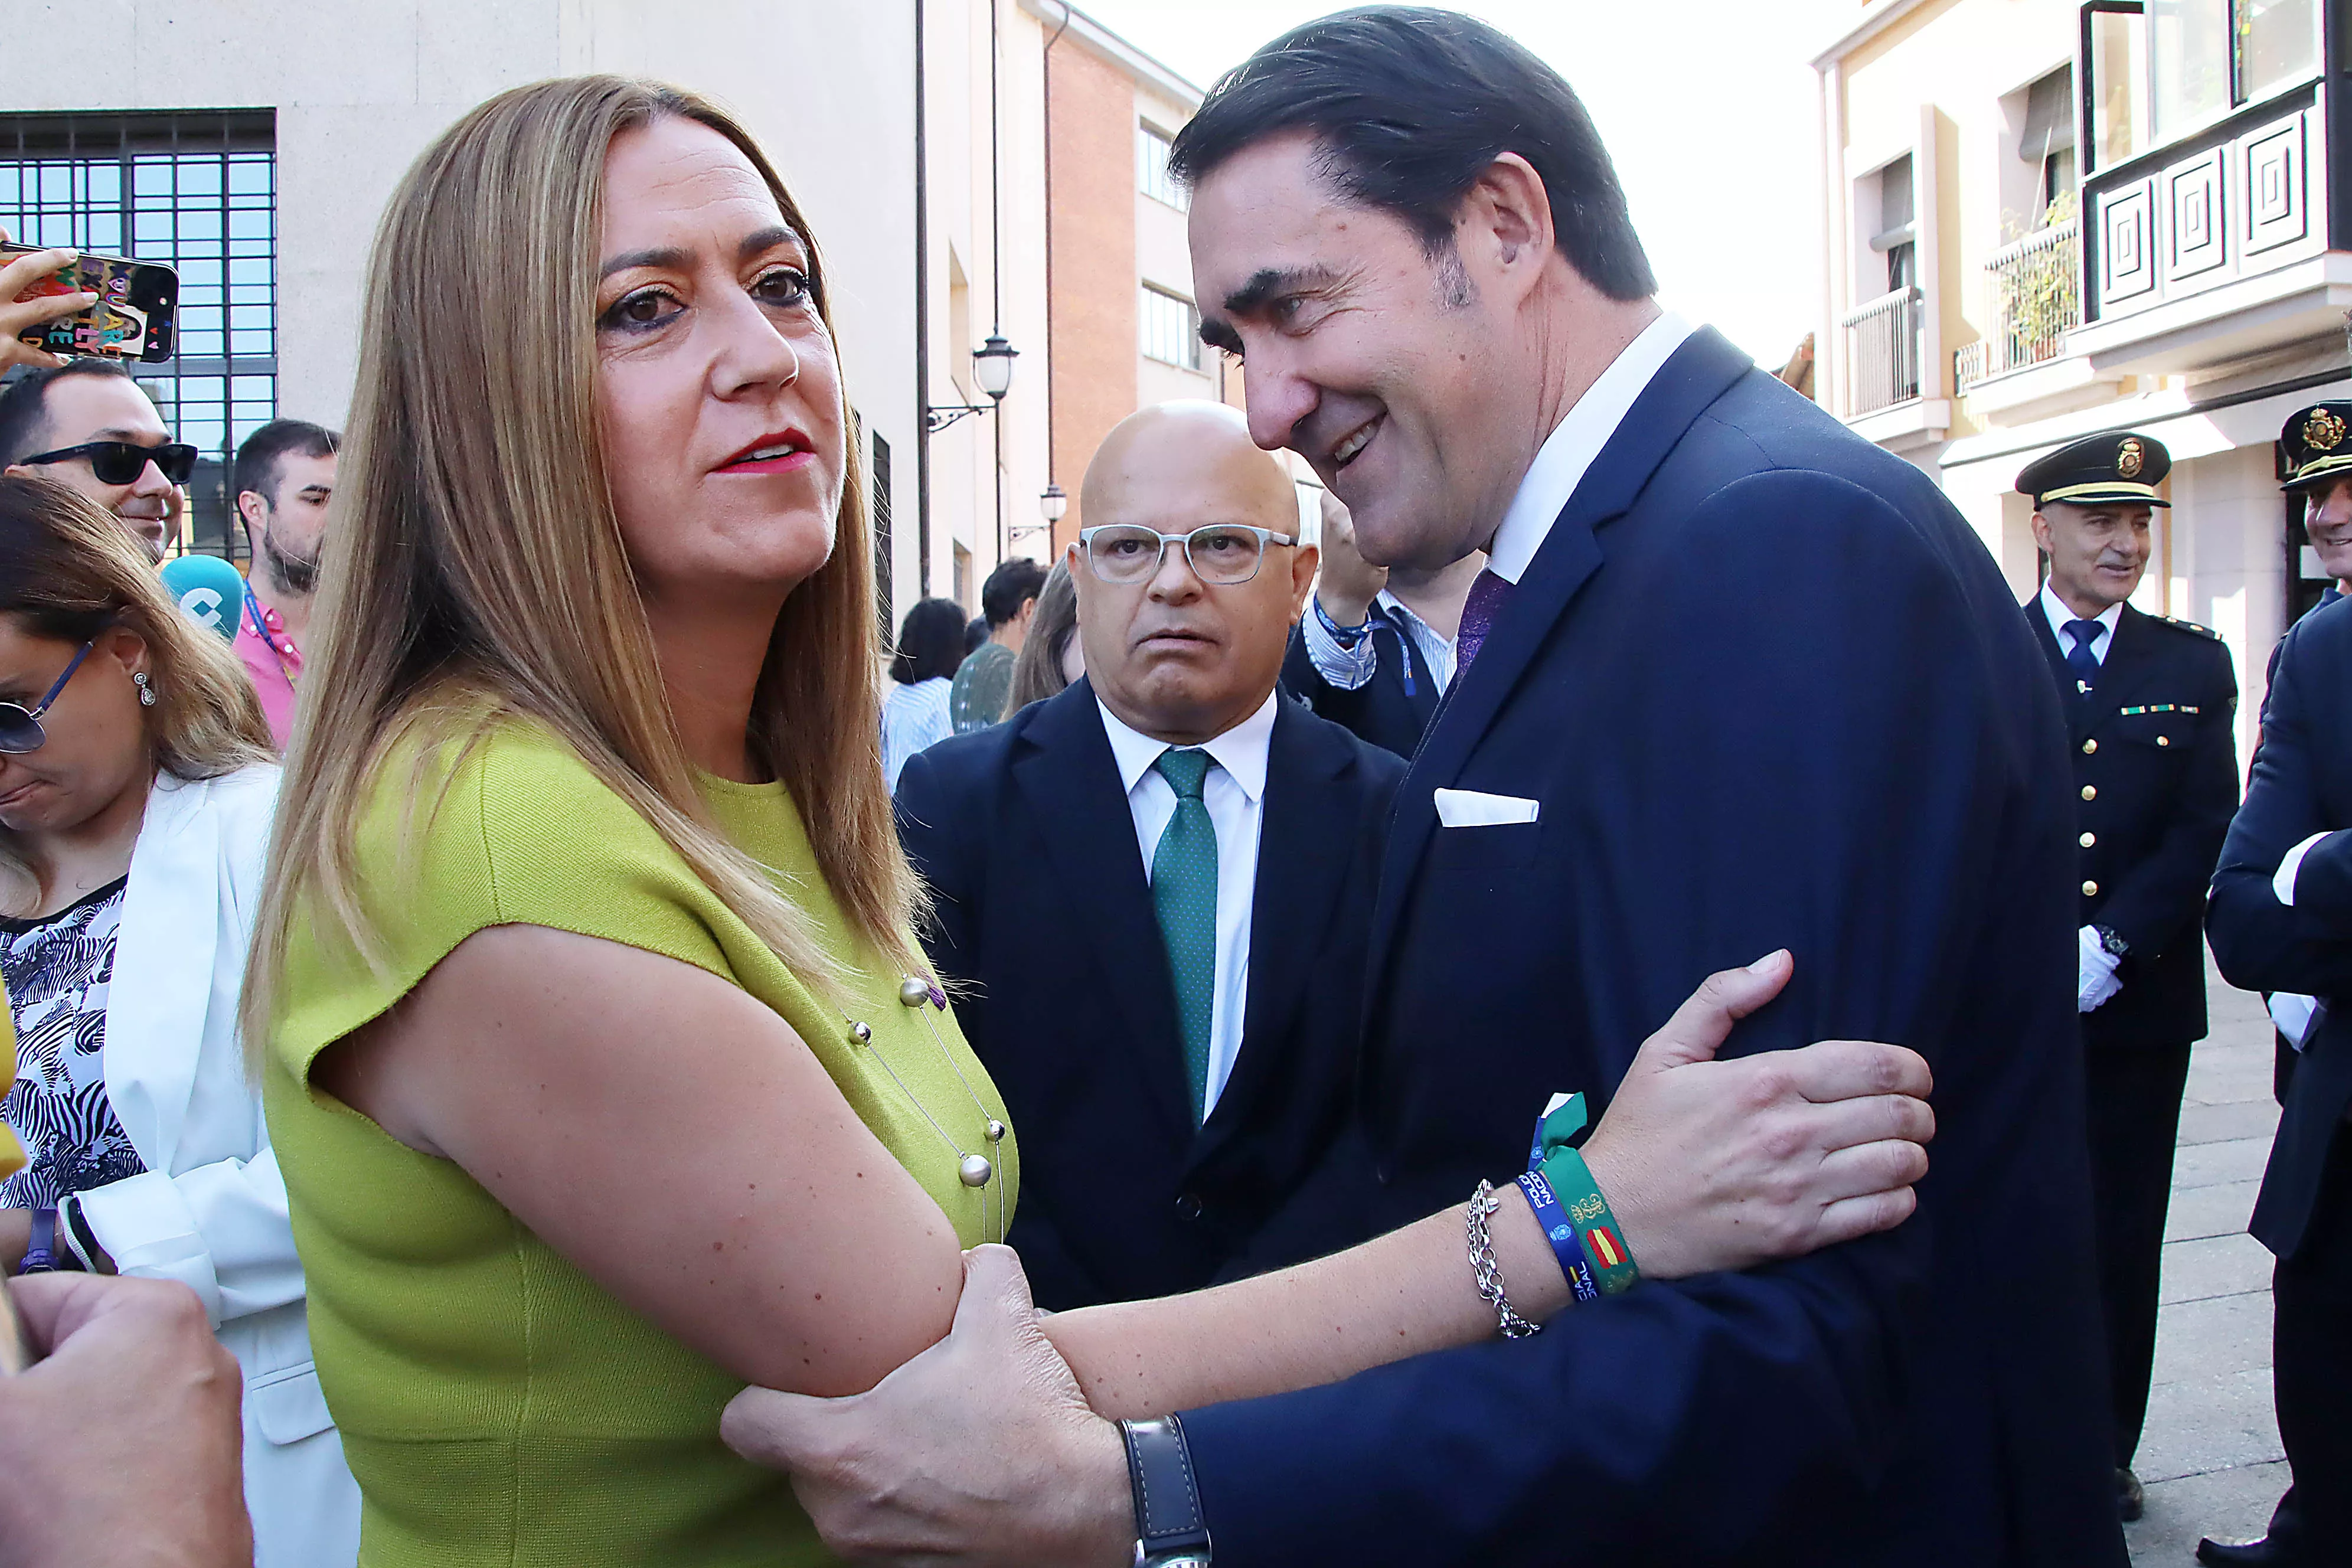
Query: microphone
x,y
210,590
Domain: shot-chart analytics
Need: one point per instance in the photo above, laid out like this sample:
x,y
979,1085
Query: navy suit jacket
x,y
1392,710
2302,785
2153,741
1770,691
1043,910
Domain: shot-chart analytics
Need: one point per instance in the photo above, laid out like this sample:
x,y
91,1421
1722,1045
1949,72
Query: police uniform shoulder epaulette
x,y
2191,627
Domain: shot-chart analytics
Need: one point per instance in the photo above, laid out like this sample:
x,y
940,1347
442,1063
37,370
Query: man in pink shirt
x,y
284,477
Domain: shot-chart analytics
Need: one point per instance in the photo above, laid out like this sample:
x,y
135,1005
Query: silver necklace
x,y
973,1169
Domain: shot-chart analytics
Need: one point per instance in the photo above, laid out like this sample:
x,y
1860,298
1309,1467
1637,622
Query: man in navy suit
x,y
2150,704
1164,1143
2280,919
1735,678
1375,650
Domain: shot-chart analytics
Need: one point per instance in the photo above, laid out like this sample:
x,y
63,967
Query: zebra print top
x,y
57,969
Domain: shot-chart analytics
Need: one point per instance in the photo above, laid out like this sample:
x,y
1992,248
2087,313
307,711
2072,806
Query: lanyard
x,y
261,625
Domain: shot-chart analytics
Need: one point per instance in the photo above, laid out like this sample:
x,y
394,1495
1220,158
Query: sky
x,y
1709,107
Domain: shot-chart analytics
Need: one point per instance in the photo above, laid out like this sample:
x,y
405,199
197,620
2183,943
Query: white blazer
x,y
210,1210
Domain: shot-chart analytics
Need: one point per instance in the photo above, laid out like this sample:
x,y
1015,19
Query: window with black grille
x,y
197,191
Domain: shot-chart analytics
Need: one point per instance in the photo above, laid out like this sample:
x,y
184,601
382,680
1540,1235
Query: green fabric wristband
x,y
1572,1179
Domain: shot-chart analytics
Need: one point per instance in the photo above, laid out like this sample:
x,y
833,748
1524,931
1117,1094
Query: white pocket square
x,y
1475,809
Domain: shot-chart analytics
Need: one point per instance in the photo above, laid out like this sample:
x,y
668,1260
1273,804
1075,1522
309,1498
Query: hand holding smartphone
x,y
60,302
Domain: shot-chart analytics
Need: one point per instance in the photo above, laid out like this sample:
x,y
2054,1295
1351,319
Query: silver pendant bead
x,y
864,1036
996,1130
914,991
975,1171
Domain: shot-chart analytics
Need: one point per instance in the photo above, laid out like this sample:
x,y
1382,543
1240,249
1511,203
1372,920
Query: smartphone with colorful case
x,y
132,318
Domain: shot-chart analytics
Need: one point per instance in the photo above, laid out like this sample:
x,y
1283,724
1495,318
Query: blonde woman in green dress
x,y
604,1069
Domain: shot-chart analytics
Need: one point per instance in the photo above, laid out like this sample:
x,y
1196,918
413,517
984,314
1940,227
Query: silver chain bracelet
x,y
1488,1274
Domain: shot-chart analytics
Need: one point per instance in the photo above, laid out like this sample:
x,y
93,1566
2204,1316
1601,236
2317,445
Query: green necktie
x,y
1184,897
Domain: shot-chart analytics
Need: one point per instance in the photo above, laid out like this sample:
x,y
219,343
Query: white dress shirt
x,y
1235,793
1569,449
2056,608
1349,668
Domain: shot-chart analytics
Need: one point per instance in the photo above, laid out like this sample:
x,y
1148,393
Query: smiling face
x,y
97,744
79,409
1400,378
718,395
1174,657
2096,553
2328,518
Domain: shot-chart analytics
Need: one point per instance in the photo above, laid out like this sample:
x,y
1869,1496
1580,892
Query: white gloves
x,y
2095,972
2294,1015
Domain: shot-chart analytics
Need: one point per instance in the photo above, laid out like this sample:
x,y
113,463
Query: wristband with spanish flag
x,y
1579,1195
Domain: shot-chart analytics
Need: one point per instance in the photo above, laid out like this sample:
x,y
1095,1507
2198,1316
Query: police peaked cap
x,y
2113,466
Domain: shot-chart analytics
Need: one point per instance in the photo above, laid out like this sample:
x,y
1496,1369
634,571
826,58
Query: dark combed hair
x,y
1010,586
930,642
1408,105
267,449
23,405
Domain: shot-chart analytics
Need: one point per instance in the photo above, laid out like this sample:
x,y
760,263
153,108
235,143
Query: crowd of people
x,y
529,1027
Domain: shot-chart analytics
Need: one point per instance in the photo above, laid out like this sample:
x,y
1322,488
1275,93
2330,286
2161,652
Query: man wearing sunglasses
x,y
88,424
1197,855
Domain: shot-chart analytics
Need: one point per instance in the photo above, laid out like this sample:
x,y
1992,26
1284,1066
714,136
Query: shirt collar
x,y
1399,610
1559,466
1240,751
2056,608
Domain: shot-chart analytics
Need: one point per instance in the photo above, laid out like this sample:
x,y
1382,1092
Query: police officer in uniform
x,y
2278,921
2149,701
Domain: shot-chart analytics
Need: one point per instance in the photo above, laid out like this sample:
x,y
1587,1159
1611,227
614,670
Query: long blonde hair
x,y
475,568
69,571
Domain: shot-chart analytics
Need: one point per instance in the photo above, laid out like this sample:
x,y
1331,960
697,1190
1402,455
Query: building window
x,y
1151,175
879,504
2048,145
2163,69
198,192
1897,235
1172,329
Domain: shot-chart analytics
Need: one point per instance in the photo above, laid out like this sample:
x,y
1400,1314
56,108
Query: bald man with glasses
x,y
1156,887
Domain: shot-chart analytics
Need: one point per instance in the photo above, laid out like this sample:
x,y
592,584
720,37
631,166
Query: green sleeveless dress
x,y
498,1405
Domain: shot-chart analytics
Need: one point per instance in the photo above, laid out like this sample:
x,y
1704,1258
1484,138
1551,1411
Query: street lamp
x,y
991,367
1053,504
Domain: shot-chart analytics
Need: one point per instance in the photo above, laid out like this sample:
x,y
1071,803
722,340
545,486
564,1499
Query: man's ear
x,y
16,471
252,509
1504,228
1305,559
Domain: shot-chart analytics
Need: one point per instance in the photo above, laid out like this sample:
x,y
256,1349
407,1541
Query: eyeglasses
x,y
20,727
1224,553
122,462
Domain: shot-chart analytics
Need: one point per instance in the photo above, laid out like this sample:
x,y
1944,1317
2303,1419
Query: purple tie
x,y
1479,612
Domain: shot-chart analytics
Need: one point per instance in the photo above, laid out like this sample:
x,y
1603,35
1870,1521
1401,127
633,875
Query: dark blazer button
x,y
1188,1205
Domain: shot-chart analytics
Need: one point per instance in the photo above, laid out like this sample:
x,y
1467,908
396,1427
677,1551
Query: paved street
x,y
2210,1459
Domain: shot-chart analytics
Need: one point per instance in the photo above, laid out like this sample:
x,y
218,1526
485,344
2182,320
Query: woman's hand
x,y
1724,1164
15,278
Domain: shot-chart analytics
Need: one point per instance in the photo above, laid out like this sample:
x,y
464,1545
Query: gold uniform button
x,y
2087,840
2090,792
2164,740
2090,890
2089,747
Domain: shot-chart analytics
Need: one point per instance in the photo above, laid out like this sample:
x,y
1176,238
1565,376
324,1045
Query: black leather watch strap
x,y
1168,1526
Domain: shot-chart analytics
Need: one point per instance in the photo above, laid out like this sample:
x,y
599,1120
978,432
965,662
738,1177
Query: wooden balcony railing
x,y
1882,352
2037,300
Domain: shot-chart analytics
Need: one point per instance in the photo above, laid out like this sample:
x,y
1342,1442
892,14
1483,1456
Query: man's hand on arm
x,y
979,1453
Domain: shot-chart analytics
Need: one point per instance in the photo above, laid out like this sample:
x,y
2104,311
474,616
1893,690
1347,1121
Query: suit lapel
x,y
168,939
2129,663
1699,372
2069,697
1071,779
1307,828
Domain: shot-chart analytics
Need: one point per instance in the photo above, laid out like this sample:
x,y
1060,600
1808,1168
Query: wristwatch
x,y
1169,1532
2115,946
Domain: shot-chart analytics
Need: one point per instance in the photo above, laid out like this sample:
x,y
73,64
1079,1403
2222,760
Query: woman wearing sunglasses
x,y
136,787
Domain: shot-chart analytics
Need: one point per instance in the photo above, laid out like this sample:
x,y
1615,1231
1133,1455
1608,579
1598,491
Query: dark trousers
x,y
2134,1096
2310,1375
